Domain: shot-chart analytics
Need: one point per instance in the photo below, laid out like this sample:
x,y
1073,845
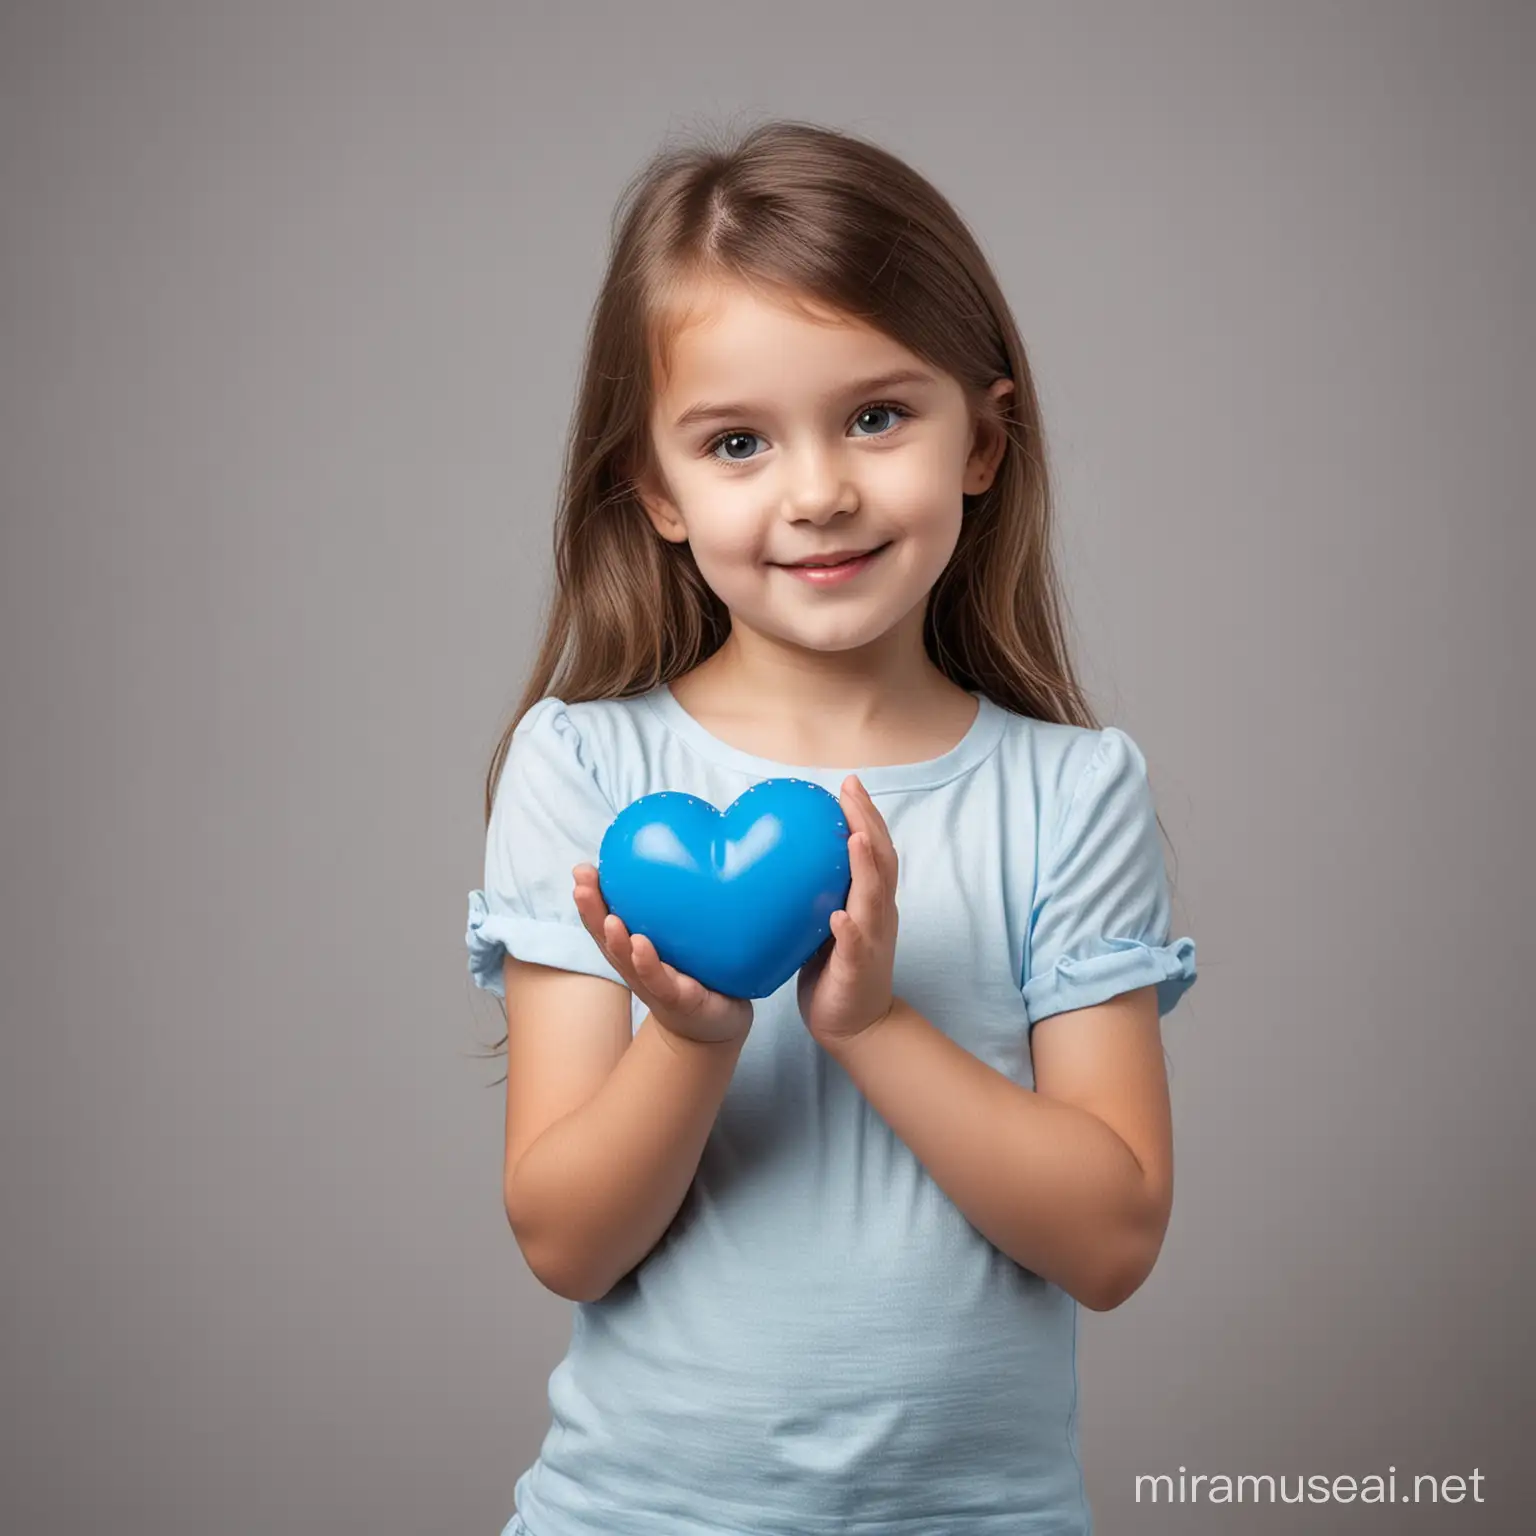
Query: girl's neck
x,y
794,715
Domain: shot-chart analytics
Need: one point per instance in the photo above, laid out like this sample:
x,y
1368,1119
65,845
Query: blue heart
x,y
740,900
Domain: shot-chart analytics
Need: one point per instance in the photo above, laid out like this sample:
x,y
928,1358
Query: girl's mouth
x,y
830,575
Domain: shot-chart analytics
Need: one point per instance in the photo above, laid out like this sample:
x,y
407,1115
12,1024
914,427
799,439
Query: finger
x,y
851,813
586,884
684,992
670,986
856,810
860,809
619,944
875,910
650,967
866,895
874,823
847,932
589,909
608,934
649,963
594,918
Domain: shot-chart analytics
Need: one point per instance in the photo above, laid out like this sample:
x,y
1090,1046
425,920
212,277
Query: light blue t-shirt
x,y
821,1344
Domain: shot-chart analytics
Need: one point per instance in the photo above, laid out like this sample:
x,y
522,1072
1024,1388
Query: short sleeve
x,y
1099,924
549,814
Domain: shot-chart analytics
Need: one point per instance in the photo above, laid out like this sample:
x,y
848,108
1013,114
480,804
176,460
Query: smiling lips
x,y
828,575
830,557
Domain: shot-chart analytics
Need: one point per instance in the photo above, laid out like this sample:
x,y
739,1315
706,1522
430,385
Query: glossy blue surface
x,y
739,899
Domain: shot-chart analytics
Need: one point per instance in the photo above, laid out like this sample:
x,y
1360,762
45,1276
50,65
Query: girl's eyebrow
x,y
704,411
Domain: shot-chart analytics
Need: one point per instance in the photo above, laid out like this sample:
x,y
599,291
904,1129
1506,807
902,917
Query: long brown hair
x,y
803,212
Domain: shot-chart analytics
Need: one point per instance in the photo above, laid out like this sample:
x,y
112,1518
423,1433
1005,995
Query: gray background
x,y
293,298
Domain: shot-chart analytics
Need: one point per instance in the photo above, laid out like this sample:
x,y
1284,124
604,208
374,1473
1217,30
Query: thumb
x,y
846,932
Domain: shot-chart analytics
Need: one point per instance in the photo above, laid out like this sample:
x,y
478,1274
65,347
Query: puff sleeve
x,y
549,814
1099,924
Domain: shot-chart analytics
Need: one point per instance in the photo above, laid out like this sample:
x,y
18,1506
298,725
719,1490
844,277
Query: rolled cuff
x,y
495,931
1128,964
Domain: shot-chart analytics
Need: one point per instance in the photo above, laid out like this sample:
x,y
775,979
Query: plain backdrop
x,y
291,305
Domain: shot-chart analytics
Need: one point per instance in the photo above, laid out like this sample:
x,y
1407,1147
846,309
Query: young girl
x,y
827,1247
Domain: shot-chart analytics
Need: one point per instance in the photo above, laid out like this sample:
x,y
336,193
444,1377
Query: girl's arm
x,y
1073,1179
591,1197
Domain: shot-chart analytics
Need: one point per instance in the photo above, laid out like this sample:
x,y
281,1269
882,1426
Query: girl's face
x,y
779,436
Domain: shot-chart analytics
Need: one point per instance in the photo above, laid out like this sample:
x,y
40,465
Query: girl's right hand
x,y
681,1004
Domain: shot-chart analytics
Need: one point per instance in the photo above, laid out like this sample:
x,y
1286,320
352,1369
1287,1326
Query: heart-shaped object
x,y
738,899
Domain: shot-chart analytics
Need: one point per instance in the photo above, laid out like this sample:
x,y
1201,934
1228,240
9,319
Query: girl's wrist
x,y
692,1044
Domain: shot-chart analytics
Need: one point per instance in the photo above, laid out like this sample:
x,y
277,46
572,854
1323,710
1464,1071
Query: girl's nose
x,y
819,486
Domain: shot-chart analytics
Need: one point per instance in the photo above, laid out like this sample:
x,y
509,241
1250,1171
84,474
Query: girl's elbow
x,y
1115,1288
1125,1269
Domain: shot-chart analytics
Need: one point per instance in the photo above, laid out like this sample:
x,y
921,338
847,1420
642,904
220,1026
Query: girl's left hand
x,y
844,989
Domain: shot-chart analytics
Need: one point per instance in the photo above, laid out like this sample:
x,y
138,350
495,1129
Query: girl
x,y
827,1248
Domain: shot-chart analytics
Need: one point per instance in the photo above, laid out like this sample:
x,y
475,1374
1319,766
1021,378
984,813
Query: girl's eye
x,y
886,407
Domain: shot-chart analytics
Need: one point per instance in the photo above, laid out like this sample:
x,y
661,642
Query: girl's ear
x,y
990,442
664,516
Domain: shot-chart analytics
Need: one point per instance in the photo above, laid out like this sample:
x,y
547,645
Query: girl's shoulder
x,y
1087,782
1056,756
606,739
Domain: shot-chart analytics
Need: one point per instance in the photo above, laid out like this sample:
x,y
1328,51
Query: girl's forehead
x,y
699,308
717,333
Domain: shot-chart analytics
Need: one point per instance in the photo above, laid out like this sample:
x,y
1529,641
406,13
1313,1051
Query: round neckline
x,y
981,737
